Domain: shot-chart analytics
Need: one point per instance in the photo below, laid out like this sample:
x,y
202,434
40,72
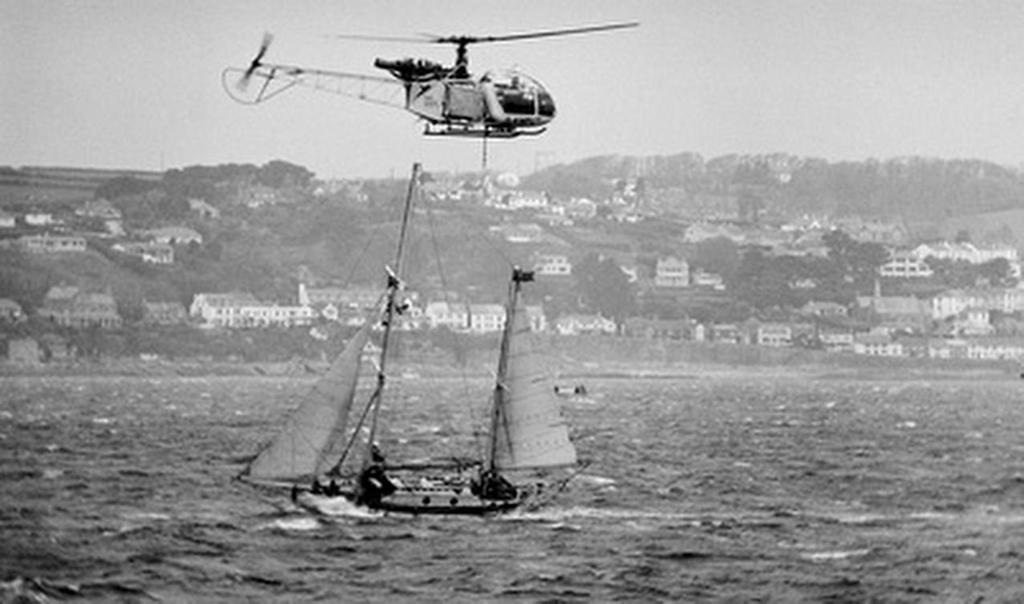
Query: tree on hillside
x,y
602,287
855,261
279,174
719,255
761,281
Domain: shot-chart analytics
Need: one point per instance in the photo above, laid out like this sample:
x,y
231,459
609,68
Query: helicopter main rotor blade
x,y
464,40
535,34
424,39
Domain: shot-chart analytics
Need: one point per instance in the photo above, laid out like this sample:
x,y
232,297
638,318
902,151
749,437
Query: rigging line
x,y
500,252
358,260
452,336
336,468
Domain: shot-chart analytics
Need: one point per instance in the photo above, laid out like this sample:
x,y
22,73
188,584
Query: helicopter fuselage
x,y
499,104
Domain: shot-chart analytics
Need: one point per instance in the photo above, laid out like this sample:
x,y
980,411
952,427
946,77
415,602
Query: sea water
x,y
731,486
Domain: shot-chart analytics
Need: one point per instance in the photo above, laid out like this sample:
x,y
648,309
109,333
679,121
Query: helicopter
x,y
449,99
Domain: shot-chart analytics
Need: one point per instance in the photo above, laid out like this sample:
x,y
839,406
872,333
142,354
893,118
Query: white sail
x,y
529,430
314,435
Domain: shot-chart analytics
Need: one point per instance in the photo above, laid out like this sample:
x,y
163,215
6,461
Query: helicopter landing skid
x,y
470,132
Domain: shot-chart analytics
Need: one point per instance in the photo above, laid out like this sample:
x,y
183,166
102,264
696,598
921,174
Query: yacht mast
x,y
394,284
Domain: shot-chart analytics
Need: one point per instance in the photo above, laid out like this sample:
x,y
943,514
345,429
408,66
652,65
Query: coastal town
x,y
732,270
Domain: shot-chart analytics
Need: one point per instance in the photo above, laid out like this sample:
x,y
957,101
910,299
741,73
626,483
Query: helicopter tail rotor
x,y
243,82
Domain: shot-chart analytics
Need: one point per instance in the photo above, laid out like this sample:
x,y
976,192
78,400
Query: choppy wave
x,y
738,489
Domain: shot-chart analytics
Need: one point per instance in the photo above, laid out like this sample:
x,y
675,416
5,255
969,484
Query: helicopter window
x,y
511,81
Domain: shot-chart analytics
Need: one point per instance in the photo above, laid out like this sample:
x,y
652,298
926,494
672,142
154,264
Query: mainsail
x,y
528,429
313,439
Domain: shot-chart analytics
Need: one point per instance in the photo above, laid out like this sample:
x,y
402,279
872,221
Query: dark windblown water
x,y
730,487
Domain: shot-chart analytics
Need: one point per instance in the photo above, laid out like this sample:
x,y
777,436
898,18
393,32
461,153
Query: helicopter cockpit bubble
x,y
512,80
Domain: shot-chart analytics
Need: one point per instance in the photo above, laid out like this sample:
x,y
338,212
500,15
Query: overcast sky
x,y
136,83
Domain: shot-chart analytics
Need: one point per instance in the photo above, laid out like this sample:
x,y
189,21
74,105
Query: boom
x,y
275,79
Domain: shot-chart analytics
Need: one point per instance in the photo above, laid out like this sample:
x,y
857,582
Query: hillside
x,y
920,191
43,185
270,226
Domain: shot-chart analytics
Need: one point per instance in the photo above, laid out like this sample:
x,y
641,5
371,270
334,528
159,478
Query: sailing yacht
x,y
526,458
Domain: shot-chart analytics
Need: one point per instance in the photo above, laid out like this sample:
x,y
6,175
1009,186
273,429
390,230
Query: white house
x,y
576,324
52,244
39,219
535,200
214,308
454,316
905,265
877,345
672,272
555,265
486,318
774,334
7,221
175,235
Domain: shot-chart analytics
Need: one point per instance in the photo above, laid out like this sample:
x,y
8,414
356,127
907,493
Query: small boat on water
x,y
527,456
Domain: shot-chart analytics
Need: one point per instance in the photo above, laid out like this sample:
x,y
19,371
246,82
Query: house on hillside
x,y
728,333
39,219
898,311
672,272
774,335
832,310
886,232
580,324
24,351
47,243
661,329
264,314
835,339
519,233
538,321
995,349
152,252
10,311
701,278
352,297
903,264
875,344
581,209
552,265
486,318
972,322
966,251
68,306
101,209
175,235
216,308
56,347
203,209
519,200
164,313
257,196
454,316
953,302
